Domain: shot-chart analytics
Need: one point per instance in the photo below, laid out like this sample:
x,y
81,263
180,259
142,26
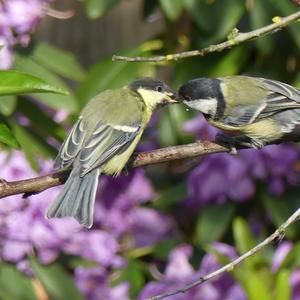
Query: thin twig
x,y
278,234
233,40
39,184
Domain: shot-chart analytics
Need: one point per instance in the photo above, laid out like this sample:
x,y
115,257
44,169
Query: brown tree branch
x,y
39,184
233,40
278,234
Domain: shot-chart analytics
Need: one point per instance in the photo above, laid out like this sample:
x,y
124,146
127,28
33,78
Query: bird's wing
x,y
280,97
106,141
71,146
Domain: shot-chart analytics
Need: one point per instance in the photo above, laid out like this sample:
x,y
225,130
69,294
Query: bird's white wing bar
x,y
125,128
105,143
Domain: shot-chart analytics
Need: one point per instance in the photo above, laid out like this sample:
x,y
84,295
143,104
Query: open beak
x,y
170,98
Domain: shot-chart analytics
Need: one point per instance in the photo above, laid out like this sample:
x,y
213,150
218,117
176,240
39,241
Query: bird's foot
x,y
241,141
227,142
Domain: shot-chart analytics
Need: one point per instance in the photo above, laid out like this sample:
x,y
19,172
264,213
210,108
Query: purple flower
x,y
23,16
179,272
5,54
218,178
15,251
18,18
93,282
201,128
280,254
148,226
295,284
118,197
221,177
24,229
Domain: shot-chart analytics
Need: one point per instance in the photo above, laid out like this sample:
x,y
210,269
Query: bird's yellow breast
x,y
116,164
265,130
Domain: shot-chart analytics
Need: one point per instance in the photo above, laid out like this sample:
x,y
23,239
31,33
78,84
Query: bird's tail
x,y
77,198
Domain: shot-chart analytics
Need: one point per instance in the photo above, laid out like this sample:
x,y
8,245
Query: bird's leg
x,y
240,141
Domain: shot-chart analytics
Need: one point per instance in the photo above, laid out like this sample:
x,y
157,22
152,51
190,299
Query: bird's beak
x,y
170,98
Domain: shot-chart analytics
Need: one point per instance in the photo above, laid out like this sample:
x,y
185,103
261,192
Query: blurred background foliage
x,y
208,210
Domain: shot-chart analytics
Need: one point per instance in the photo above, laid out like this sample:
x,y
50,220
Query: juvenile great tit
x,y
101,142
260,111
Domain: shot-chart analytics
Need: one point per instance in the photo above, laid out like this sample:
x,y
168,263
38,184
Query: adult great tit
x,y
260,111
101,142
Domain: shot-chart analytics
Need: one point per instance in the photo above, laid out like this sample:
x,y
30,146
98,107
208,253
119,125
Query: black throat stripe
x,y
221,102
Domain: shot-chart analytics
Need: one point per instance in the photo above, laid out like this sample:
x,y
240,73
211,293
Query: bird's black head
x,y
152,84
200,88
153,91
203,94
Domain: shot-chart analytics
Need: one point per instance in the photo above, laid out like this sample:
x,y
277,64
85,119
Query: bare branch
x,y
277,235
233,40
39,184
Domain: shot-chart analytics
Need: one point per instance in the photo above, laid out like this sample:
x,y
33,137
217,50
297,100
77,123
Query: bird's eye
x,y
159,89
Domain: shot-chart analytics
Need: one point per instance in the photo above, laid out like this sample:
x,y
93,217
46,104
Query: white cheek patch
x,y
206,106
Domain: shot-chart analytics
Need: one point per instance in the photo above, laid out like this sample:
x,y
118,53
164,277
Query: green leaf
x,y
58,61
77,261
163,248
40,121
172,8
56,280
280,209
134,274
232,63
215,18
97,8
213,222
179,115
68,102
8,104
14,82
170,196
14,284
286,8
170,126
167,135
7,137
282,286
243,237
255,285
33,145
260,16
108,74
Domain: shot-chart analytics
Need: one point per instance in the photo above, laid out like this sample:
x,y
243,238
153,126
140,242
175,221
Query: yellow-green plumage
x,y
259,110
121,111
237,92
102,140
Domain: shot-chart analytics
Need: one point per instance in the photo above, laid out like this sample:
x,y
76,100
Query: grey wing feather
x,y
284,89
105,142
71,146
245,115
288,120
280,97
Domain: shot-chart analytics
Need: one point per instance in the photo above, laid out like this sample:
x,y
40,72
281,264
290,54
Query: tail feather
x,y
77,198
